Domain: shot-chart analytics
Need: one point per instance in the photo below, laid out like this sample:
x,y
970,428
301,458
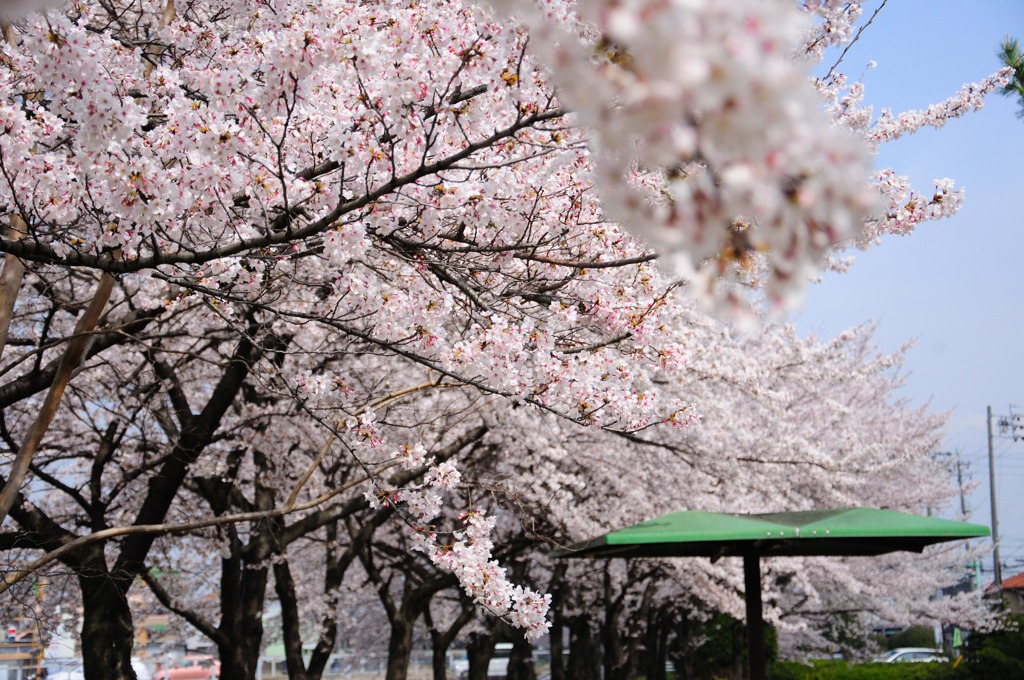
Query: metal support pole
x,y
755,617
997,571
960,485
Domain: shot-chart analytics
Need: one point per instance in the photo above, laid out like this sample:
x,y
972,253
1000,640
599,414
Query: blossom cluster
x,y
888,127
665,85
902,208
469,553
468,556
906,208
835,25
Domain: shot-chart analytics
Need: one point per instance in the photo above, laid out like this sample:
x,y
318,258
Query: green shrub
x,y
915,636
844,670
998,655
724,648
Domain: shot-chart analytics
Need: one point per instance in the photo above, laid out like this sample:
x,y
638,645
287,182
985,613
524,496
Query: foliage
x,y
843,670
998,654
915,636
724,647
1011,56
995,655
845,632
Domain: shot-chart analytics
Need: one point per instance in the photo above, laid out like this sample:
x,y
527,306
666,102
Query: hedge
x,y
844,670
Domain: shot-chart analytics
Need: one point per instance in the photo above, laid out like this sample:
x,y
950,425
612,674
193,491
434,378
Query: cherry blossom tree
x,y
272,268
778,440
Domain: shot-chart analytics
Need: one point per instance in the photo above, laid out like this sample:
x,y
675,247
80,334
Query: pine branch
x,y
1010,54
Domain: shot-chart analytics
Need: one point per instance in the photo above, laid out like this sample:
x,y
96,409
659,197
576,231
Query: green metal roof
x,y
846,531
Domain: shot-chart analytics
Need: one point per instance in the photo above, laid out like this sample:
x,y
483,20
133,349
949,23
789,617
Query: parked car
x,y
912,654
192,667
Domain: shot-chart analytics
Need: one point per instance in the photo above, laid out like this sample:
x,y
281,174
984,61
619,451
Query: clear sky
x,y
954,287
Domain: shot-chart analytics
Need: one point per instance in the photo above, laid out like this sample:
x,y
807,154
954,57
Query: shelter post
x,y
755,616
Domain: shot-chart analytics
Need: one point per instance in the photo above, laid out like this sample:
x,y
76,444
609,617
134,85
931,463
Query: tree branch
x,y
71,359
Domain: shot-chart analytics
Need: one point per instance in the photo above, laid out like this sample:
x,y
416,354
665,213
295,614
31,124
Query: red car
x,y
193,667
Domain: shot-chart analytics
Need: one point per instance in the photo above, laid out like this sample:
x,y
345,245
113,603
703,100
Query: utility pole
x,y
958,461
1009,426
960,485
974,580
997,572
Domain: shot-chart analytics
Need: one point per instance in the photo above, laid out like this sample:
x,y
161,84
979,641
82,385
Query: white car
x,y
912,654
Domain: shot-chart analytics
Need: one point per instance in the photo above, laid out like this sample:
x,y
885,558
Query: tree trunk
x,y
612,652
520,664
739,648
584,656
639,619
400,646
243,584
656,642
239,661
557,587
440,641
557,642
284,585
439,662
107,630
241,628
402,617
479,650
334,574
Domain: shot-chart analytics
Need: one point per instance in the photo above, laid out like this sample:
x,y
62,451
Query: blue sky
x,y
955,287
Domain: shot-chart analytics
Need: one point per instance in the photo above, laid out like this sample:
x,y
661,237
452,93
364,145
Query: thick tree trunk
x,y
439,663
400,646
479,650
241,631
284,585
520,664
631,671
334,574
107,630
239,659
584,656
440,641
243,584
240,634
656,639
556,635
402,617
557,588
613,654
